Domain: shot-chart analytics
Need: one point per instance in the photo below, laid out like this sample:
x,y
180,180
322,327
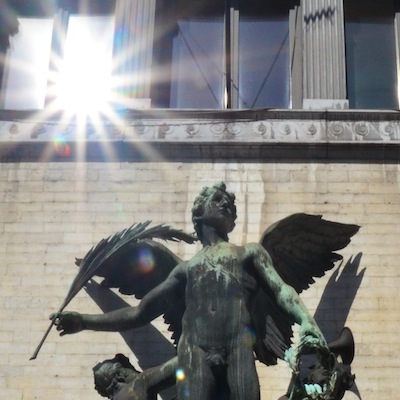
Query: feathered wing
x,y
138,267
131,261
135,264
302,247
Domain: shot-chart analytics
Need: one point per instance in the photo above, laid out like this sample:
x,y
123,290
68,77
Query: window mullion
x,y
296,59
234,55
231,53
60,28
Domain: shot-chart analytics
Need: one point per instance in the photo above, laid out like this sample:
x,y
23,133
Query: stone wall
x,y
53,212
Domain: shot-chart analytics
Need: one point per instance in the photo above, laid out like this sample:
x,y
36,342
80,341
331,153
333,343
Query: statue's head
x,y
109,373
217,194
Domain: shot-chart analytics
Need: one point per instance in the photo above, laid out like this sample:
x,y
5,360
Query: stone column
x,y
324,65
133,47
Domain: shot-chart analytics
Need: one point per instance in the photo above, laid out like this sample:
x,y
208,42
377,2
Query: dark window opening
x,y
263,54
371,60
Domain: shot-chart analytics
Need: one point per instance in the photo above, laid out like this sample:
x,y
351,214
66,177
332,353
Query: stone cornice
x,y
262,135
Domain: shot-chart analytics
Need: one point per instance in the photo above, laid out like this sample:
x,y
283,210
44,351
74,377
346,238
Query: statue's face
x,y
107,372
218,212
110,371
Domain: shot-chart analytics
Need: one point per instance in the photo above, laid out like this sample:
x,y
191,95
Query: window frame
x,y
294,47
396,41
160,93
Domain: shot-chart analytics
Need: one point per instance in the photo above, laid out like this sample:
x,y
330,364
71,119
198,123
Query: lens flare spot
x,y
61,147
180,375
144,261
249,337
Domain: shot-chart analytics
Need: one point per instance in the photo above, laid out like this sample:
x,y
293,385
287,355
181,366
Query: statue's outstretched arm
x,y
150,307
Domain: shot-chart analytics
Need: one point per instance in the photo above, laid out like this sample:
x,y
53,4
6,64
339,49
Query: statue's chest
x,y
217,269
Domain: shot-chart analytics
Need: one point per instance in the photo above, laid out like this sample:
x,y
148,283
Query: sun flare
x,y
83,80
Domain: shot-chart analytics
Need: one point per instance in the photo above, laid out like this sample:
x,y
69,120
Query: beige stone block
x,y
15,394
347,187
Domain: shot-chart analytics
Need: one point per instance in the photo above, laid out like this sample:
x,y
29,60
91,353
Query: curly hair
x,y
200,201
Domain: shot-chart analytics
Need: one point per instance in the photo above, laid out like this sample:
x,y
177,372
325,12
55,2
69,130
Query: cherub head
x,y
109,373
214,200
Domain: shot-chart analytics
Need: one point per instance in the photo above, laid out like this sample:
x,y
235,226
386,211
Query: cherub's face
x,y
111,371
218,212
107,373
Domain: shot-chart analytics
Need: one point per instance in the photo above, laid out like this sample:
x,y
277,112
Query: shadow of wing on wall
x,y
137,339
337,299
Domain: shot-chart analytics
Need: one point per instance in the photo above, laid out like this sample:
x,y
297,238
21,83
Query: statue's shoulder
x,y
195,259
256,254
252,248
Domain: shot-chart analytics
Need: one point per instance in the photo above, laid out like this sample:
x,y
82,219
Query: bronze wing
x,y
302,247
138,264
133,262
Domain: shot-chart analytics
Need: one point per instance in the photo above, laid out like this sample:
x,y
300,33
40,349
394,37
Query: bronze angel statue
x,y
227,306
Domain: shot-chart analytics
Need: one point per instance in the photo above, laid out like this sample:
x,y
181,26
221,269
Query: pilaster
x,y
133,43
324,71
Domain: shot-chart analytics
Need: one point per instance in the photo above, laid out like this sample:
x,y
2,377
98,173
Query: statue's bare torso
x,y
216,333
218,290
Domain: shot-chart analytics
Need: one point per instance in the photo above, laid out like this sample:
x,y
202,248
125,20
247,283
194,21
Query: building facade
x,y
294,104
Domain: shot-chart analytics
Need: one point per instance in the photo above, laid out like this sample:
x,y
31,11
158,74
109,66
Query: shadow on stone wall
x,y
149,346
337,299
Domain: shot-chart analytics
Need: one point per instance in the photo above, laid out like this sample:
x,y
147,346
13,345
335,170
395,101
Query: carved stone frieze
x,y
305,128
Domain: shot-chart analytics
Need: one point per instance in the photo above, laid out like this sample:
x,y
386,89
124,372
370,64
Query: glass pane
x,y
84,81
198,64
27,62
264,57
371,54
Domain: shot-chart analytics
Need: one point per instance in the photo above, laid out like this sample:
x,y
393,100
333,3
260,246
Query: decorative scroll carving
x,y
218,129
361,129
337,129
192,130
234,128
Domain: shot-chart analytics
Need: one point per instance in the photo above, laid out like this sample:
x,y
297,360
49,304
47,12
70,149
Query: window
x,y
371,59
263,54
26,65
211,54
86,65
222,54
59,55
198,63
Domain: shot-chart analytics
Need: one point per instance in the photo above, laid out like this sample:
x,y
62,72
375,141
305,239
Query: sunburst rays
x,y
86,84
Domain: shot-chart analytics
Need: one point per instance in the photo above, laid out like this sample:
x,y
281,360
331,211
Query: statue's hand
x,y
68,322
310,331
